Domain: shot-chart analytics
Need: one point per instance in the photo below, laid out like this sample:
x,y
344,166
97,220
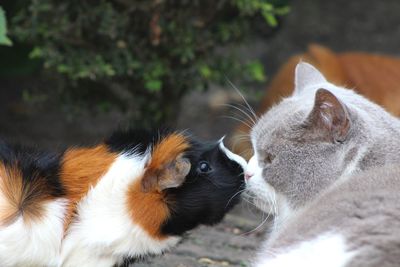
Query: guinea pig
x,y
135,194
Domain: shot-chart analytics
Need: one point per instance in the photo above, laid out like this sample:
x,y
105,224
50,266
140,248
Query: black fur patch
x,y
33,165
134,140
204,198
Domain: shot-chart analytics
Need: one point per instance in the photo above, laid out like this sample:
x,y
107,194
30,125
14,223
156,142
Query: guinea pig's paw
x,y
167,167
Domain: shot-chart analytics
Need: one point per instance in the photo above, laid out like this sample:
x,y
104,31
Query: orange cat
x,y
375,76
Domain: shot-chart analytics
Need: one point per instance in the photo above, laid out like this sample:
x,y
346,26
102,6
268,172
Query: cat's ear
x,y
306,75
329,119
170,175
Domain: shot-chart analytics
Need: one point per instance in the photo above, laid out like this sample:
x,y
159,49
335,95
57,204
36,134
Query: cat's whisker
x,y
243,134
248,198
240,139
256,118
234,195
244,118
274,254
240,110
271,206
247,151
244,99
236,119
259,226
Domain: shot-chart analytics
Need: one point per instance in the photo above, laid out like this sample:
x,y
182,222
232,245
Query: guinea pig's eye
x,y
204,167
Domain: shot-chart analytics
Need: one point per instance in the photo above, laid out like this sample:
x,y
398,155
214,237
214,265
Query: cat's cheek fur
x,y
328,250
105,207
266,197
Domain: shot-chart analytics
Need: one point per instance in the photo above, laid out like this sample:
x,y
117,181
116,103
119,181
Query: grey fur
x,y
351,186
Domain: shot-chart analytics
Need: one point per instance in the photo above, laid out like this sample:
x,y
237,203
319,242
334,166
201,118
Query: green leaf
x,y
4,40
36,52
271,19
256,71
153,85
205,71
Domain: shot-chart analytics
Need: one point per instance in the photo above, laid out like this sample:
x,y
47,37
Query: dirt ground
x,y
364,25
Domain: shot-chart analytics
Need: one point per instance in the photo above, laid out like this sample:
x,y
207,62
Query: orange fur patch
x,y
19,199
166,151
81,169
148,208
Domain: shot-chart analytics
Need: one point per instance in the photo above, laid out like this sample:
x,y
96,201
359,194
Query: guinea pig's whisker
x,y
215,184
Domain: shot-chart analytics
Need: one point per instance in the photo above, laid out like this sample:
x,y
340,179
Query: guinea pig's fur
x,y
133,195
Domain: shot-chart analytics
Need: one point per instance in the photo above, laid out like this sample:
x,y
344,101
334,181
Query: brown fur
x,y
148,209
17,198
146,202
377,77
81,169
164,153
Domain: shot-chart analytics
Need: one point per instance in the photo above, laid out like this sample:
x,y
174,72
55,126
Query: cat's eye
x,y
204,167
267,158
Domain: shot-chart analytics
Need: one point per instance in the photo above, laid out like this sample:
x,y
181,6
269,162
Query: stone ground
x,y
364,25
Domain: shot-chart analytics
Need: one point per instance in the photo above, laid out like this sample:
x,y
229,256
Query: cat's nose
x,y
248,175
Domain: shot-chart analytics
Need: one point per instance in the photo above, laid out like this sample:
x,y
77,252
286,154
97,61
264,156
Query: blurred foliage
x,y
4,40
142,55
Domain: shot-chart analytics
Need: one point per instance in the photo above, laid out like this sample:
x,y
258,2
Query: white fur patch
x,y
257,186
232,156
328,250
36,243
265,196
104,231
352,166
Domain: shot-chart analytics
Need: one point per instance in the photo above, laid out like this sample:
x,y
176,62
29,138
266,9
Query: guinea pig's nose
x,y
248,175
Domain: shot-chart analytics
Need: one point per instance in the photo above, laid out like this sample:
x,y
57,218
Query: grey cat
x,y
326,164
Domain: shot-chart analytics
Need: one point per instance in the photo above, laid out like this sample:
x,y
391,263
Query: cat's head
x,y
308,141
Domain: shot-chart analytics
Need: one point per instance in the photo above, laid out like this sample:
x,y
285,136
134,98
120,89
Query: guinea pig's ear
x,y
167,166
174,174
169,175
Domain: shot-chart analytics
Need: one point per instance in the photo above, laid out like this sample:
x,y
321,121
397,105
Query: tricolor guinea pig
x,y
133,195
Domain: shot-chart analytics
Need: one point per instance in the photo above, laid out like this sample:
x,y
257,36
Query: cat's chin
x,y
261,194
265,198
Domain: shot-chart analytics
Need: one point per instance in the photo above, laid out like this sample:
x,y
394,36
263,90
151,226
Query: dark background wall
x,y
342,25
